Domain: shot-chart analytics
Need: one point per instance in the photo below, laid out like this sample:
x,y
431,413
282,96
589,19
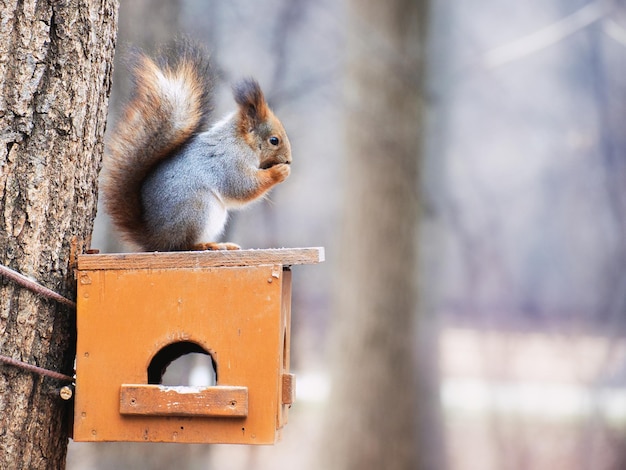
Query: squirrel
x,y
170,177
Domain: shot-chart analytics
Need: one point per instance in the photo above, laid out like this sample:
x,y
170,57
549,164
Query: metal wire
x,y
37,370
34,286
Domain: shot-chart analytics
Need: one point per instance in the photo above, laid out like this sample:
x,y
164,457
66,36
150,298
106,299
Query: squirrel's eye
x,y
274,140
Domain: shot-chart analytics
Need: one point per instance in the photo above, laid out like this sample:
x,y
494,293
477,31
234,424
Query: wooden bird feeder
x,y
139,312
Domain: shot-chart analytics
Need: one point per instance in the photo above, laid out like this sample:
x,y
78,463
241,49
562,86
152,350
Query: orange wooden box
x,y
138,312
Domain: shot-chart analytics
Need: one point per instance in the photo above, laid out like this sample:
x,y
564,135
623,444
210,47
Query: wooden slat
x,y
158,400
289,389
200,259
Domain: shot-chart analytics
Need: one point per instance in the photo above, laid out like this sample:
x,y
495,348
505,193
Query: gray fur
x,y
184,193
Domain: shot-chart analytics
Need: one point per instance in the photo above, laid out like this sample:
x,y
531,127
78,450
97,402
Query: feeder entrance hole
x,y
183,363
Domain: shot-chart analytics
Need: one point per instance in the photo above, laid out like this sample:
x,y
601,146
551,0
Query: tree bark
x,y
374,404
55,69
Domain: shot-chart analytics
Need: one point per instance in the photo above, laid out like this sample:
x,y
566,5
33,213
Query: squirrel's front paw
x,y
280,172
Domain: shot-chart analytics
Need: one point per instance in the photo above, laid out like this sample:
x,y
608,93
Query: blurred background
x,y
463,165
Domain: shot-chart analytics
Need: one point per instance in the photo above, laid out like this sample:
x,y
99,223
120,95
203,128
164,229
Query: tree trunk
x,y
55,69
373,408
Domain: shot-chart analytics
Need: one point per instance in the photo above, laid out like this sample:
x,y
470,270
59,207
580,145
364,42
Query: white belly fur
x,y
216,221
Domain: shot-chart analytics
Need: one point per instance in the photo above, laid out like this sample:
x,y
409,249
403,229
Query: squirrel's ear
x,y
253,109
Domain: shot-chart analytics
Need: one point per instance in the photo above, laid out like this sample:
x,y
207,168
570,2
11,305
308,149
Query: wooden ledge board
x,y
200,259
157,400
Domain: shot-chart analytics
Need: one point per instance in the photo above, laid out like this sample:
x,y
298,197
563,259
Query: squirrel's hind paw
x,y
215,246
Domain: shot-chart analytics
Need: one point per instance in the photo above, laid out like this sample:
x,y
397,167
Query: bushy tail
x,y
171,102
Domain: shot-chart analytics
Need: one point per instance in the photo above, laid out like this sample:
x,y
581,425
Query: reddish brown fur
x,y
253,109
267,179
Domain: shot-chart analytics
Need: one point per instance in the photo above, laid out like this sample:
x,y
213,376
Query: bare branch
x,y
614,31
548,36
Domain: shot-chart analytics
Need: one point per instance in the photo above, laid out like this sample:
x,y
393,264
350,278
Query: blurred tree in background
x,y
373,409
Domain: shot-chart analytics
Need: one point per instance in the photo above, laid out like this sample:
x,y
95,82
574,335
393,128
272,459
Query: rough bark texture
x,y
55,69
374,403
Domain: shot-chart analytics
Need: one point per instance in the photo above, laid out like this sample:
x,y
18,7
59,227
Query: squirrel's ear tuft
x,y
252,105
